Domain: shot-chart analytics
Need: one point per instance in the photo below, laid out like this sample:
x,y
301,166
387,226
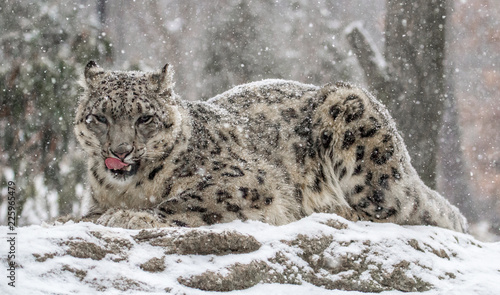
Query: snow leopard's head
x,y
126,120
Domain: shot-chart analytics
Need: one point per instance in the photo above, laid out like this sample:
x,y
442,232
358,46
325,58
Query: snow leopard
x,y
273,151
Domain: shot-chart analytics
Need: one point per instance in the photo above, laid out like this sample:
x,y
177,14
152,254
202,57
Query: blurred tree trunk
x,y
415,44
412,83
101,11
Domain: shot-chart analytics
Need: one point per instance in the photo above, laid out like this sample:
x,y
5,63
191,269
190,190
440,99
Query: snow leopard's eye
x,y
145,119
101,119
98,118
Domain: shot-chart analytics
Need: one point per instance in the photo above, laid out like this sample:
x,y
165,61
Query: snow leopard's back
x,y
341,150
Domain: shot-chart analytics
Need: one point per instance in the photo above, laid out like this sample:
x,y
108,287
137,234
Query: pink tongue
x,y
114,164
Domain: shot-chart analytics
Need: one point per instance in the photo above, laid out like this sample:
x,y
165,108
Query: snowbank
x,y
312,255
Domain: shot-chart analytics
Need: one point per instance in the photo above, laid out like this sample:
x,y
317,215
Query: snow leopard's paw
x,y
129,219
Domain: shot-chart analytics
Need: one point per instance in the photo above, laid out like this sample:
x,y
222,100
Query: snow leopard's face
x,y
125,121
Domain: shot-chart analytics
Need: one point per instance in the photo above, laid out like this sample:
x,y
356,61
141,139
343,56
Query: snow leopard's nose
x,y
122,150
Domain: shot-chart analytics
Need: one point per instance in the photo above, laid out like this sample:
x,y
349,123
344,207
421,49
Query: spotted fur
x,y
273,151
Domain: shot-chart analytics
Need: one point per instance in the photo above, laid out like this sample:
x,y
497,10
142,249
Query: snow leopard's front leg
x,y
370,163
129,219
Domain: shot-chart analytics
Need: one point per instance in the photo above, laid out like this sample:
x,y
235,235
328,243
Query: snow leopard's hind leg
x,y
357,146
359,143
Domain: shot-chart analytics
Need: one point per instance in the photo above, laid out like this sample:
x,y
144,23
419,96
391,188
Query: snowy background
x,y
214,45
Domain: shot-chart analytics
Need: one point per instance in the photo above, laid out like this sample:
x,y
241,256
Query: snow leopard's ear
x,y
165,80
91,71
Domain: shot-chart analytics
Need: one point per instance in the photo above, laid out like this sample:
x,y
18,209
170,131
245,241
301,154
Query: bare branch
x,y
371,60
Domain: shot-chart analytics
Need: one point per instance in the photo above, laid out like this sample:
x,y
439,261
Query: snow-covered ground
x,y
320,250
